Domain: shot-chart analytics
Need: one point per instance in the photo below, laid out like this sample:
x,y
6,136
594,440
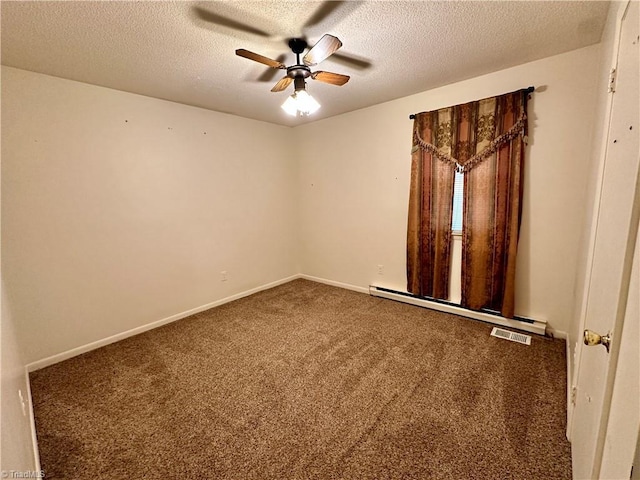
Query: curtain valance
x,y
484,125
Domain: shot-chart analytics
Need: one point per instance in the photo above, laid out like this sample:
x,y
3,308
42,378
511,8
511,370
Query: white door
x,y
616,229
624,415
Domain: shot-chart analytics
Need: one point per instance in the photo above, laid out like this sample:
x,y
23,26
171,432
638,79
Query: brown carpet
x,y
308,381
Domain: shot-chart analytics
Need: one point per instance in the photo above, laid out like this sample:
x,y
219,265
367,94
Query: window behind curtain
x,y
458,197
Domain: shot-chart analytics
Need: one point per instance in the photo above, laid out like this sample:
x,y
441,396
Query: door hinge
x,y
612,81
574,394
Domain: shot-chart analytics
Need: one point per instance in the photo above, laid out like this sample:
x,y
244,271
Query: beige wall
x,y
16,452
120,210
354,181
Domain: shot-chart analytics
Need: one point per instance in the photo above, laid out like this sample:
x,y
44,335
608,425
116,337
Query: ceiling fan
x,y
227,17
301,103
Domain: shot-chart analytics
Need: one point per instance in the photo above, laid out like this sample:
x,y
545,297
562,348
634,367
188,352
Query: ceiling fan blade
x,y
269,74
333,11
282,84
323,11
351,61
332,78
322,49
210,17
260,58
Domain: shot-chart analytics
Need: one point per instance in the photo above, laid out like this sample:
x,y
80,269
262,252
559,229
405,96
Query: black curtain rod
x,y
529,90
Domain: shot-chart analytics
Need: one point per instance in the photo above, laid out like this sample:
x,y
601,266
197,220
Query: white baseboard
x,y
45,362
347,286
557,333
32,424
538,326
565,336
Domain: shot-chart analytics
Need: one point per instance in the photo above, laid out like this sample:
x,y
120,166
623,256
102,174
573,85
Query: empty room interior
x,y
320,240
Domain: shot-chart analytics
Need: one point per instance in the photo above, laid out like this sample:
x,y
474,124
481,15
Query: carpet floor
x,y
308,381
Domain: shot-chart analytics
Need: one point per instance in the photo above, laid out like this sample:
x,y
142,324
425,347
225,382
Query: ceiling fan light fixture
x,y
300,104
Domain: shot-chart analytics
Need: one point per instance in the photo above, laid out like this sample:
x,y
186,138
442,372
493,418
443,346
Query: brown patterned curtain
x,y
430,209
484,140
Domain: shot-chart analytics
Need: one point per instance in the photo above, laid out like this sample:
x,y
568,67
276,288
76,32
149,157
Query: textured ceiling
x,y
180,51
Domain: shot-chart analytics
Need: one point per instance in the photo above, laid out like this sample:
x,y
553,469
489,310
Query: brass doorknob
x,y
592,338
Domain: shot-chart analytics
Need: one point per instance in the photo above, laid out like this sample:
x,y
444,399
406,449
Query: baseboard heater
x,y
526,324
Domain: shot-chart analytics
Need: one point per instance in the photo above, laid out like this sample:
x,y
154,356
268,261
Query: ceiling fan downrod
x,y
297,45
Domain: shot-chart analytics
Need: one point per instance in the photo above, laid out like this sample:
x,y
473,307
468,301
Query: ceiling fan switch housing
x,y
297,45
298,83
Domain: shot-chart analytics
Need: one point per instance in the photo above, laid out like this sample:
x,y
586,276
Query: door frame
x,y
594,224
626,274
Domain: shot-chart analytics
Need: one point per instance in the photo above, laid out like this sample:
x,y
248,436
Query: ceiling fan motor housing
x,y
298,72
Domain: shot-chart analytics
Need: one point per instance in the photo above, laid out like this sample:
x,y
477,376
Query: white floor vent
x,y
513,336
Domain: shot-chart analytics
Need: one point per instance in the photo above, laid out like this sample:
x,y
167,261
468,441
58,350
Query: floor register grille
x,y
513,336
